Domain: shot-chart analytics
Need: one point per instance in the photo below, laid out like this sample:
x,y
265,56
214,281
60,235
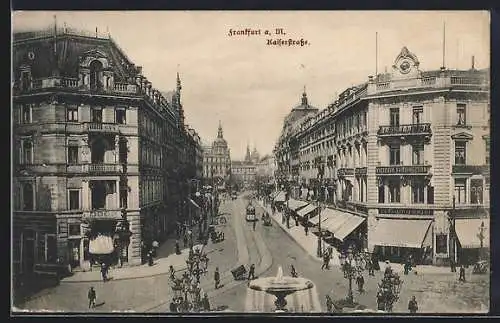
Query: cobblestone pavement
x,y
134,294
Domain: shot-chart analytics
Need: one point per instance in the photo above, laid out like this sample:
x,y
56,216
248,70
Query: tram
x,y
250,213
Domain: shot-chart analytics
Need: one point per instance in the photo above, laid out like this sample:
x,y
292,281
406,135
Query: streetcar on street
x,y
250,212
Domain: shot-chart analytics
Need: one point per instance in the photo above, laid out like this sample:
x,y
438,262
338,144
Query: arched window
x,y
96,75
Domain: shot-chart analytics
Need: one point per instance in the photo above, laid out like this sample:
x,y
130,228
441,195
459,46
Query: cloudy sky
x,y
250,86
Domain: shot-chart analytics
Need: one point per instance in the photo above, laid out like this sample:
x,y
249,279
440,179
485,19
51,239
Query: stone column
x,y
84,228
371,224
134,248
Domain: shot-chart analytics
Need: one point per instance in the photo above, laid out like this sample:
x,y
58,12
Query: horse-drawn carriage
x,y
388,291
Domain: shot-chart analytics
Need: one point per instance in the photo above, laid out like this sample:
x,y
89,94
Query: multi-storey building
x,y
287,148
411,153
98,153
217,161
246,170
266,168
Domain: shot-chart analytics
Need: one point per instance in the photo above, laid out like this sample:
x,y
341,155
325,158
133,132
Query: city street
x,y
436,293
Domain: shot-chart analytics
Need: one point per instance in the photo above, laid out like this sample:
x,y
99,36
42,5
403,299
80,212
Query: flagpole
x,y
376,55
444,43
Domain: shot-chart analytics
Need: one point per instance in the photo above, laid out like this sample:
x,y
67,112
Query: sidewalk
x,y
165,257
309,243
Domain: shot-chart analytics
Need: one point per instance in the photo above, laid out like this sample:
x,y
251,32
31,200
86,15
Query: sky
x,y
250,86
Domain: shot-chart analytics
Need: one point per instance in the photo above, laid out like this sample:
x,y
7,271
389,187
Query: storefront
x,y
296,205
307,212
279,200
473,240
396,239
346,229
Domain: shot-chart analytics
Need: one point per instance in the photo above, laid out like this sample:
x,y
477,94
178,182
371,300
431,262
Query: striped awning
x,y
336,220
308,209
280,197
468,232
400,233
296,204
101,245
349,226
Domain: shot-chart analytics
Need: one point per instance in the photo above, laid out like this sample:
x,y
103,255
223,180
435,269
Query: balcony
x,y
103,168
403,170
471,169
359,171
345,172
420,129
102,127
103,214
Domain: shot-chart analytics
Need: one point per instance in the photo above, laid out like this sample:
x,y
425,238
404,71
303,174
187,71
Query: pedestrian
x,y
254,224
388,269
453,266
172,272
294,272
177,248
406,267
380,301
205,302
217,277
150,258
412,305
104,271
329,304
461,277
185,240
251,272
91,296
360,280
306,228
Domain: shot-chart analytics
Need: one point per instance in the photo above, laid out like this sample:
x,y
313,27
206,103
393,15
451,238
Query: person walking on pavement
x,y
306,228
371,269
412,305
172,272
251,272
104,271
360,280
217,277
177,248
326,261
461,277
294,272
91,296
453,266
206,303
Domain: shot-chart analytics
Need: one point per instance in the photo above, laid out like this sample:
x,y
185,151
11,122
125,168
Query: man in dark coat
x,y
461,277
91,296
251,272
205,302
360,280
412,305
217,277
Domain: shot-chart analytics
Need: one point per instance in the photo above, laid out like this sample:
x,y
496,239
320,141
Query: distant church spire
x,y
179,87
219,134
304,97
247,156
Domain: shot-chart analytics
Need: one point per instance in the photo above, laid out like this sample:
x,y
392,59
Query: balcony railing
x,y
471,169
103,214
405,129
403,170
102,127
360,171
345,172
103,168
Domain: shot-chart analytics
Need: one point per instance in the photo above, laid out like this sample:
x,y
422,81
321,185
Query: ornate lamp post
x,y
319,251
481,237
349,272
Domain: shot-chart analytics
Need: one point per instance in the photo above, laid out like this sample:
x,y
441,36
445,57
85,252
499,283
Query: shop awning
x,y
349,226
400,233
280,197
296,204
315,220
193,203
308,209
336,220
101,245
468,232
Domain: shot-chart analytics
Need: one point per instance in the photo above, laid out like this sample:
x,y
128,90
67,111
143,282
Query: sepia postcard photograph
x,y
279,162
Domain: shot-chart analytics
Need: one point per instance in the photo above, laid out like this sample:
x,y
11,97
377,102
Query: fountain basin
x,y
286,284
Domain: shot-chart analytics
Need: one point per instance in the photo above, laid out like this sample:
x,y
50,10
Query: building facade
x,y
100,156
245,170
217,161
408,150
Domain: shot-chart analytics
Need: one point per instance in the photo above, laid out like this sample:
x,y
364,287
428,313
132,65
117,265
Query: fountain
x,y
280,286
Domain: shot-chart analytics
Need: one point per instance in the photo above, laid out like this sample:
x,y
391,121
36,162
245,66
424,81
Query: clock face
x,y
405,67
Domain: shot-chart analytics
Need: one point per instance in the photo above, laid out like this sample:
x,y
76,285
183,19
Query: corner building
x,y
410,149
99,154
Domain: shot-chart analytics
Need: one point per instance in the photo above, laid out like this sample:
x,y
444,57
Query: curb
x,y
290,235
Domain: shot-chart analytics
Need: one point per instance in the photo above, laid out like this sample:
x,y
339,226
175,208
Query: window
x,y
25,80
476,191
460,152
430,194
27,151
417,190
394,191
441,243
487,150
461,116
28,197
72,113
26,113
418,154
72,155
394,114
417,115
74,199
394,155
50,248
381,194
74,229
96,114
460,192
